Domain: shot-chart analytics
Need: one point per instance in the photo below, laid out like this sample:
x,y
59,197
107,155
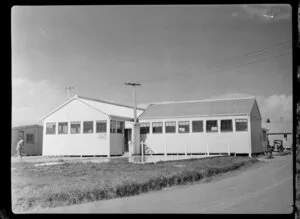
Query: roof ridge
x,y
203,100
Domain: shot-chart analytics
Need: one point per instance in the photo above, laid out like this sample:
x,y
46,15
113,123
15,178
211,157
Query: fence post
x,y
142,144
129,145
228,149
207,151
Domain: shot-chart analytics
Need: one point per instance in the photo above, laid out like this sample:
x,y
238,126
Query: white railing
x,y
146,150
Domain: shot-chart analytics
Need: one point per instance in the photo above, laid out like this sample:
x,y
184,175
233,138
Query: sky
x,y
176,53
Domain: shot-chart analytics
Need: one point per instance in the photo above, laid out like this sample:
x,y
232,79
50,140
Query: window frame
x,y
153,126
113,126
170,132
75,123
53,125
99,122
145,125
121,127
236,121
211,131
86,122
193,131
62,133
30,134
180,123
226,130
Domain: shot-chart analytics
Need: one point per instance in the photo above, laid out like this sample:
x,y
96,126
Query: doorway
x,y
127,137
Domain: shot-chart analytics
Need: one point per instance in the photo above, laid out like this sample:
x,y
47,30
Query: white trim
x,y
93,107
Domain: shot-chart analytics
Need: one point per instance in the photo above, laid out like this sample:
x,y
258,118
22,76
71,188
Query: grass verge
x,y
74,183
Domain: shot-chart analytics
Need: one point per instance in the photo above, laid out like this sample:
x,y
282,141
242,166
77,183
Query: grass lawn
x,y
78,182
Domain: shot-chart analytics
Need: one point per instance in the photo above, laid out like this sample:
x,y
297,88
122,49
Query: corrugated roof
x,y
211,107
111,108
107,107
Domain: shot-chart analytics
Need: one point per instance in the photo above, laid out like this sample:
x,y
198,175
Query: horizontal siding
x,y
219,142
75,144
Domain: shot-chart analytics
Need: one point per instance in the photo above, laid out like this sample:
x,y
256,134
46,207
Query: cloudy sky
x,y
175,52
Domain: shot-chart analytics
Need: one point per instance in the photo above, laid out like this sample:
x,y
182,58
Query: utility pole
x,y
134,97
135,131
68,89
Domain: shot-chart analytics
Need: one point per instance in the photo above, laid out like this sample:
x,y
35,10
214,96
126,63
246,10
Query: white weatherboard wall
x,y
217,142
75,144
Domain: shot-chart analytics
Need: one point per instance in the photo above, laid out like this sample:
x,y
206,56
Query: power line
x,y
238,58
255,61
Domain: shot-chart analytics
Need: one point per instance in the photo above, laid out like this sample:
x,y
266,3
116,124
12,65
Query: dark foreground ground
x,y
266,187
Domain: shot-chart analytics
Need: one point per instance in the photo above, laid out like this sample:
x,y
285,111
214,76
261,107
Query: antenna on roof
x,y
68,89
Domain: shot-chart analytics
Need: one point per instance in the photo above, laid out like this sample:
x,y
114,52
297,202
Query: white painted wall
x,y
75,144
239,142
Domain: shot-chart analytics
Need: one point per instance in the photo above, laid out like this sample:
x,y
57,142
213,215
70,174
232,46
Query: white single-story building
x,y
85,126
204,126
280,130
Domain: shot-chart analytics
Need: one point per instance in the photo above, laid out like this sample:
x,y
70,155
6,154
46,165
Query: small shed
x,y
33,139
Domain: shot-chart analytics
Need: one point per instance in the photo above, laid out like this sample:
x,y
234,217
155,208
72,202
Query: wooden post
x,y
228,149
165,149
130,148
207,151
142,143
185,150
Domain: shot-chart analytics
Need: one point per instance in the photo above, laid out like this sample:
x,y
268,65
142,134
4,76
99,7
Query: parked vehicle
x,y
278,145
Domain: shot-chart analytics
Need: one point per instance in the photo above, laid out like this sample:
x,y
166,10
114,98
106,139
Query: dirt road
x,y
266,188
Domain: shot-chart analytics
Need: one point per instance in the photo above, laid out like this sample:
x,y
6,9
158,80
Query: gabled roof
x,y
210,107
106,107
279,127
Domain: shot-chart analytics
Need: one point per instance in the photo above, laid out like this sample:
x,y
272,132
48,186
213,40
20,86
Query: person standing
x,y
19,148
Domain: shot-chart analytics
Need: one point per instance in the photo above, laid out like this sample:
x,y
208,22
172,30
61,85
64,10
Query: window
x,y
145,128
226,125
157,127
211,126
30,138
101,126
75,127
50,128
184,127
88,127
112,126
62,128
170,127
197,126
241,125
120,126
